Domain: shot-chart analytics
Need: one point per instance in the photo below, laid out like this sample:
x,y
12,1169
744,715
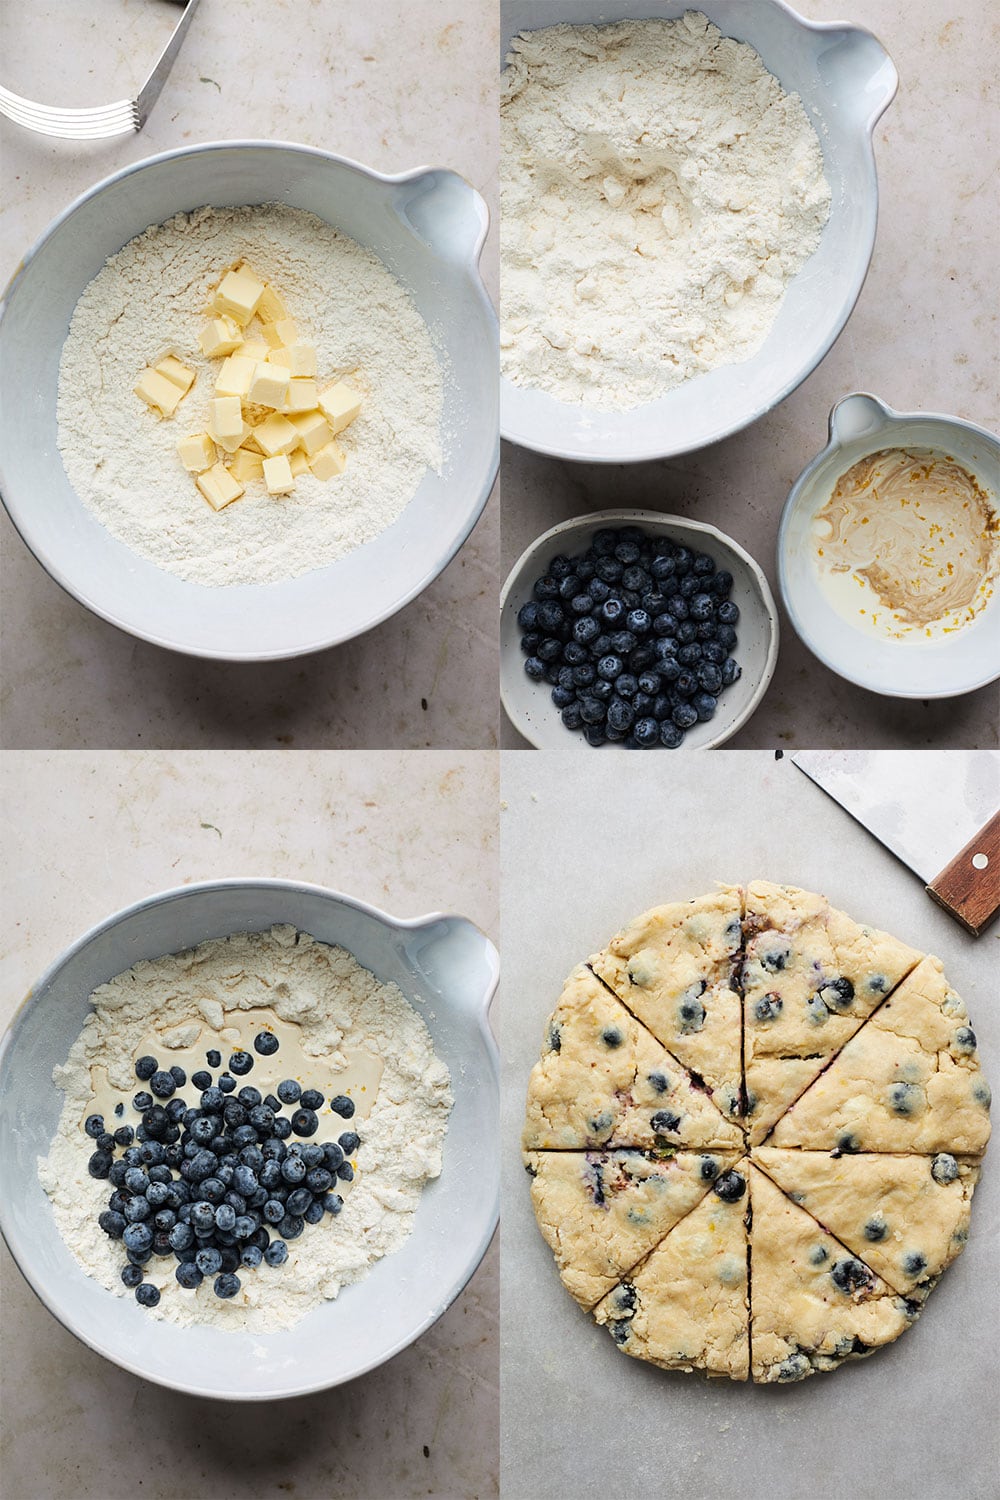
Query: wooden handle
x,y
970,886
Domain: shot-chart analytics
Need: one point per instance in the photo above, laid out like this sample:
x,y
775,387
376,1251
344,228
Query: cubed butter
x,y
312,430
250,443
340,405
197,452
298,462
157,391
271,308
269,385
226,420
221,336
276,435
328,460
218,486
246,466
235,376
172,368
278,475
239,293
254,349
231,444
302,395
298,359
281,333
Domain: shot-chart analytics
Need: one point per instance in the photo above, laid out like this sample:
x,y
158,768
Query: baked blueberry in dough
x,y
754,1134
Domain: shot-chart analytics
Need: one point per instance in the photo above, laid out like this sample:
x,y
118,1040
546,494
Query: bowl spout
x,y
455,959
857,416
445,213
859,72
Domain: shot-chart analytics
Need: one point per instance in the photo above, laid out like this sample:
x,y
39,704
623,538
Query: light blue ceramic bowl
x,y
441,963
428,227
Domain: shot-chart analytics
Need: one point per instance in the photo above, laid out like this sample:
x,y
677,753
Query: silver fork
x,y
102,120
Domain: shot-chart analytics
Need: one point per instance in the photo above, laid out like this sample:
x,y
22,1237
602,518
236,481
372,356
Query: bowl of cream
x,y
889,551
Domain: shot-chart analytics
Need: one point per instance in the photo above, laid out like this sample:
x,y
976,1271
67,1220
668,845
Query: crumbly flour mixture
x,y
659,192
151,297
338,1006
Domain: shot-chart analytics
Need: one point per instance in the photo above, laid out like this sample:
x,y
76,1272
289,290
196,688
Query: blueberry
x,y
94,1126
768,1007
311,1099
225,1218
146,1067
297,1202
847,1144
944,1168
227,1083
181,1236
647,733
202,1079
684,715
659,1082
730,1187
620,715
836,994
188,1275
586,630
276,1253
345,1172
704,705
610,668
305,1122
671,735
163,1084
689,655
226,1285
664,1122
702,606
213,1057
663,568
99,1164
721,583
141,1101
851,1276
709,1169
202,1216
726,635
288,1091
905,1098
527,615
728,613
595,735
241,1063
690,1011
914,1263
137,1237
612,1037
212,1100
965,1039
639,622
546,588
875,1230
274,1210
113,1224
208,1260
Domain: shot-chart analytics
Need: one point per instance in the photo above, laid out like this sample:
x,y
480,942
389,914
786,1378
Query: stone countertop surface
x,y
89,833
394,86
924,336
905,1422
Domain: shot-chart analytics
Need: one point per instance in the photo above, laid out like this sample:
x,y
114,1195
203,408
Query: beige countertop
x,y
87,834
923,336
393,86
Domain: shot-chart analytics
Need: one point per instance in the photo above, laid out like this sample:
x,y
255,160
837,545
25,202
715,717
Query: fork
x,y
101,120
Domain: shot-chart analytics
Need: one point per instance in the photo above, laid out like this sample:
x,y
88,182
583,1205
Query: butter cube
x,y
328,461
281,333
340,405
250,442
197,452
301,395
269,385
271,307
276,435
254,349
226,420
298,359
312,431
246,466
238,294
278,475
298,462
176,372
231,444
221,336
157,391
235,376
219,487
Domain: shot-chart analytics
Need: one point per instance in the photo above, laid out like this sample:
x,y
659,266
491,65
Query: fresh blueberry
x,y
704,705
345,1172
137,1237
728,613
141,1101
240,1063
113,1224
311,1099
671,735
94,1126
709,1169
163,1084
730,1187
213,1057
288,1091
99,1164
145,1068
647,733
684,715
226,1285
201,1080
276,1253
188,1276
305,1122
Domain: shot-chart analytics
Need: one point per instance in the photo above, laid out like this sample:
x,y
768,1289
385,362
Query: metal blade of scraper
x,y
937,810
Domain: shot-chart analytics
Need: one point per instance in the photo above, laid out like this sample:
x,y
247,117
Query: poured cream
x,y
908,544
354,1073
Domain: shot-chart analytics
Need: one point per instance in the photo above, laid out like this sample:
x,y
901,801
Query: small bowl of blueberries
x,y
635,630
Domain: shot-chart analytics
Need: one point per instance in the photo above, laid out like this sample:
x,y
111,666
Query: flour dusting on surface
x,y
659,192
151,297
338,1007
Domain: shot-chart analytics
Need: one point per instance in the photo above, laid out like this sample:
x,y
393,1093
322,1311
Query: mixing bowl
x,y
845,81
442,964
427,226
529,704
952,664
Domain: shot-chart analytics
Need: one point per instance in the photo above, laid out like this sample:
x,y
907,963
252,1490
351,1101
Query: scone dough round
x,y
753,1134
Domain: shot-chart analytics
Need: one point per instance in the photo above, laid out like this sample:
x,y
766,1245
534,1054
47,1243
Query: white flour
x,y
338,1005
659,192
122,461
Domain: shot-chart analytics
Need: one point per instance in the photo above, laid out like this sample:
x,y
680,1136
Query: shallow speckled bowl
x,y
960,663
529,704
846,82
427,226
442,964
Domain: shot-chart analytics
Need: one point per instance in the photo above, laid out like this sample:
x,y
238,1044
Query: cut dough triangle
x,y
604,1080
672,967
813,1304
908,1081
603,1211
810,977
686,1305
906,1216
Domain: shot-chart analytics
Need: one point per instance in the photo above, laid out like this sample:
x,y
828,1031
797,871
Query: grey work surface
x,y
579,856
923,337
389,84
84,835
